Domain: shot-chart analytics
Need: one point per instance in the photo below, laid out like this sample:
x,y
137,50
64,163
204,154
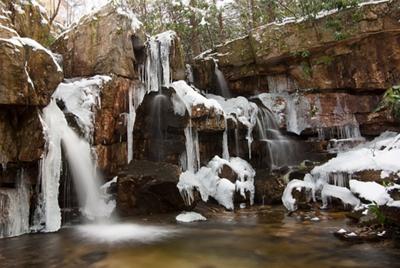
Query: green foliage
x,y
304,54
391,101
306,68
374,209
325,60
340,36
203,24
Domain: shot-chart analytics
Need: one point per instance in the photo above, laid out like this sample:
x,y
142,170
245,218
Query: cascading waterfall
x,y
221,81
282,151
155,73
78,152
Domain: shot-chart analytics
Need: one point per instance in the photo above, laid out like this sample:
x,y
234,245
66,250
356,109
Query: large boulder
x,y
109,41
30,72
29,19
146,187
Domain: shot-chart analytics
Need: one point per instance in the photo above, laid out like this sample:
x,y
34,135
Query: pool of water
x,y
259,237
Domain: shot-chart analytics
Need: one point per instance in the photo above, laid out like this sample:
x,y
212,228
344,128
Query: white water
x,y
59,135
14,208
222,84
282,151
157,73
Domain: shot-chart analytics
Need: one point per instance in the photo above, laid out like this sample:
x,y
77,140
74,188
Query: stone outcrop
x,y
148,187
28,18
103,43
352,55
30,74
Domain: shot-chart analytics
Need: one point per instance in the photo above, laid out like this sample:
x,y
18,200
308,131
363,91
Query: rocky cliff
x,y
351,56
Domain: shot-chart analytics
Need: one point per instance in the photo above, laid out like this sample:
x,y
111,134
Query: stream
x,y
257,237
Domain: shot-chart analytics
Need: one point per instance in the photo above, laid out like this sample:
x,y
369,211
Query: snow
x,y
125,11
190,97
208,182
287,198
190,217
370,191
81,96
341,193
380,154
341,231
241,110
24,41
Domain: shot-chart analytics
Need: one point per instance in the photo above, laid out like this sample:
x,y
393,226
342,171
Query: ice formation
x,y
156,74
208,182
81,98
190,217
380,154
241,110
14,206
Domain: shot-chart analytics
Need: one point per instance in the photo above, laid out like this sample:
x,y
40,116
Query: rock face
x,y
103,43
148,187
352,55
30,74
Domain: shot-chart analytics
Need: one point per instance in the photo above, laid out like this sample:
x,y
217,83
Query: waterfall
x,y
14,208
281,150
221,81
155,73
159,102
58,135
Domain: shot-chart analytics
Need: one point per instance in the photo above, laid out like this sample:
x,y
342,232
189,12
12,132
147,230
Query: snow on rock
x,y
24,41
241,110
208,182
188,97
381,154
287,198
342,193
370,191
80,95
190,217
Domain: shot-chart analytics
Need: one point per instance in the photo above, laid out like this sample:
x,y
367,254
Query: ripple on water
x,y
124,232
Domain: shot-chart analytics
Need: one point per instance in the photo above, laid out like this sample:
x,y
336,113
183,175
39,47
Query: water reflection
x,y
249,238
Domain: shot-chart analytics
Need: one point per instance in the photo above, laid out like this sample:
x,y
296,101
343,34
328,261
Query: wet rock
x,y
391,214
269,187
228,173
146,187
363,235
375,175
109,41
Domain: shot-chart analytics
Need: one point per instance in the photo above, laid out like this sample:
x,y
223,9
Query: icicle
x,y
225,145
14,205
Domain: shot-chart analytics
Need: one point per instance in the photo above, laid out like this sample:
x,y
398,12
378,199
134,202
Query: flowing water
x,y
258,237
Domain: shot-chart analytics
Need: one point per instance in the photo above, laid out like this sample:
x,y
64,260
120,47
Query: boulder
x,y
30,72
269,187
146,187
109,41
30,20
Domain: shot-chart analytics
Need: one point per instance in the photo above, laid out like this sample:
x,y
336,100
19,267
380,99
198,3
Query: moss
x,y
325,60
306,68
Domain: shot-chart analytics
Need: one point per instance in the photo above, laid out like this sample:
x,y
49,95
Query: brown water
x,y
262,237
